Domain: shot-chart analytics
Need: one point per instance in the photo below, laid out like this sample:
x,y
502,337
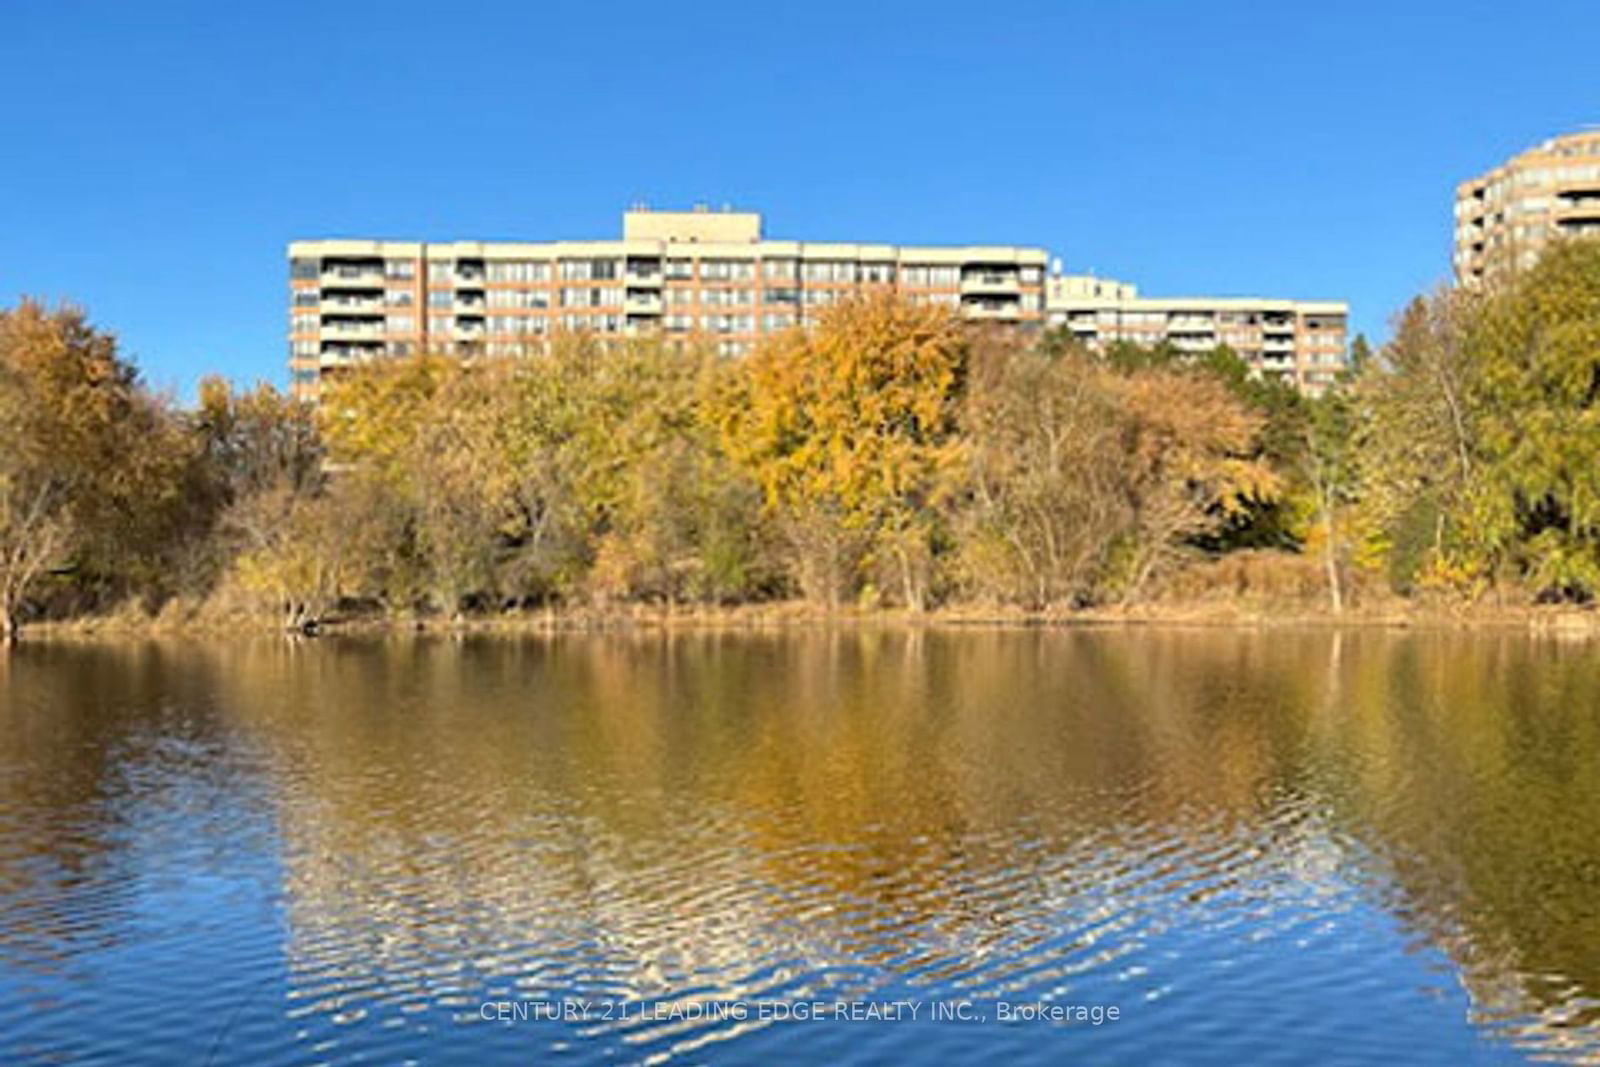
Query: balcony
x,y
990,281
642,303
353,329
991,310
351,305
352,278
644,273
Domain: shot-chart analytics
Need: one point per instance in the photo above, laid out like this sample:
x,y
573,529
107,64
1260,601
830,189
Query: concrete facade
x,y
1505,217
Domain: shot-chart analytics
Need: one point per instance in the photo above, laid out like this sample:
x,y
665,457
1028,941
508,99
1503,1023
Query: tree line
x,y
891,455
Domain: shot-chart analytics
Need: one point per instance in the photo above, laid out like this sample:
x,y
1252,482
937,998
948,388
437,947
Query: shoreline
x,y
794,615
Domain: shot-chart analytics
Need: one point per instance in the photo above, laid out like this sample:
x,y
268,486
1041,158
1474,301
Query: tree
x,y
850,429
1045,499
92,475
1191,461
1326,462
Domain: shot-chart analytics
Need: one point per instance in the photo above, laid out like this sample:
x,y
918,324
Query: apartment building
x,y
1505,217
1300,342
709,275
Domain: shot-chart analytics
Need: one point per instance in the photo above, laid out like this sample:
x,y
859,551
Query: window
x,y
780,270
680,268
304,268
877,273
306,323
440,298
830,271
930,275
518,298
400,268
306,298
401,323
519,270
580,296
781,296
303,349
440,270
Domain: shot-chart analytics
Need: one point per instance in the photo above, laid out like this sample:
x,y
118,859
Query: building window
x,y
519,270
400,268
440,270
304,268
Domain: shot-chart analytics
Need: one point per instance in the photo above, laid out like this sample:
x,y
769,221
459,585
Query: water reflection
x,y
1262,845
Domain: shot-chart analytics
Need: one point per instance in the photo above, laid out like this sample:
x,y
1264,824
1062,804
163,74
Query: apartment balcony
x,y
1585,209
469,305
1278,345
992,310
344,354
351,305
346,277
353,330
646,303
991,281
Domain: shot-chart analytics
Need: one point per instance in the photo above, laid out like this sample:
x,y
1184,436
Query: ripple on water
x,y
1241,848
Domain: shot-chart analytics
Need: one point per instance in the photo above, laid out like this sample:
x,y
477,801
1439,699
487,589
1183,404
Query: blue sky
x,y
158,156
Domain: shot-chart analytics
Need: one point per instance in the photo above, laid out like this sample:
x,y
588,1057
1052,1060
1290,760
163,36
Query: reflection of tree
x,y
646,814
72,722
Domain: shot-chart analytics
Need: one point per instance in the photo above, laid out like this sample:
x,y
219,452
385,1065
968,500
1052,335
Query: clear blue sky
x,y
157,156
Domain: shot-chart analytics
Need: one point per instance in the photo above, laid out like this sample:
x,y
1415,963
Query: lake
x,y
857,846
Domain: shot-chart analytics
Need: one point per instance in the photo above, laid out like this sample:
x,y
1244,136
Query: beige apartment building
x,y
702,274
1505,217
1300,342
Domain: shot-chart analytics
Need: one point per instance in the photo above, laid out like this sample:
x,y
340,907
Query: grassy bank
x,y
191,621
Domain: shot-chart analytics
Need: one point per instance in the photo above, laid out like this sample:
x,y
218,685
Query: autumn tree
x,y
1045,499
850,428
92,477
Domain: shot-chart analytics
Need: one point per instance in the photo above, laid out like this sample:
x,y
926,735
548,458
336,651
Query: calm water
x,y
1258,847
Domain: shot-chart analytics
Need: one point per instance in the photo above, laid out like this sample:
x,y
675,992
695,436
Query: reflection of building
x,y
1301,342
1505,216
695,273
